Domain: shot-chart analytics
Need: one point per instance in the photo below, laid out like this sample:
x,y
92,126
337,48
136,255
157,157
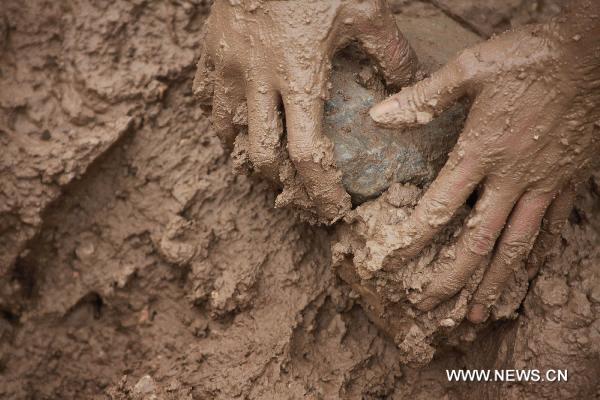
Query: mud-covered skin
x,y
527,144
261,58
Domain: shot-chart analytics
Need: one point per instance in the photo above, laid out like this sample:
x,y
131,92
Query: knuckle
x,y
418,101
305,150
402,99
514,250
299,153
438,211
481,240
263,160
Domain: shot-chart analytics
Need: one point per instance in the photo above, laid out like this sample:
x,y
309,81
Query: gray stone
x,y
371,157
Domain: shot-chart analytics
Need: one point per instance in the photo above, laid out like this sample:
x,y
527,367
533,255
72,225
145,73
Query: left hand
x,y
528,141
274,58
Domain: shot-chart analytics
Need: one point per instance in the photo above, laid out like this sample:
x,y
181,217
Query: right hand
x,y
530,139
275,56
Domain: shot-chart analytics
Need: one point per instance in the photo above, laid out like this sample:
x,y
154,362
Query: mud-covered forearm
x,y
579,32
576,34
581,20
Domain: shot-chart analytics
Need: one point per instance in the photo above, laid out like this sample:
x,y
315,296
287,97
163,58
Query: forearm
x,y
578,30
581,22
576,35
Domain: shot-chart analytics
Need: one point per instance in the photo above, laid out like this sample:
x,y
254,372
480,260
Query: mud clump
x,y
364,257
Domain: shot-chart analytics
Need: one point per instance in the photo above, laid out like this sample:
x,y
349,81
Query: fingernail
x,y
478,313
381,111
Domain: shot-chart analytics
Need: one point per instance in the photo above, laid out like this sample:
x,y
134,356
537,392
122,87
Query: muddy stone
x,y
372,157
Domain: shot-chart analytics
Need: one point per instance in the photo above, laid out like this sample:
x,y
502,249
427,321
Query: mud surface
x,y
488,17
136,264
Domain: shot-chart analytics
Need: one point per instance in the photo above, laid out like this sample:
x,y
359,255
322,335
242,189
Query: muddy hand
x,y
275,58
528,141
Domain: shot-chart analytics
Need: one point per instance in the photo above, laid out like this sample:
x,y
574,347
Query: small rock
x,y
154,91
414,347
553,291
447,323
125,274
200,328
85,250
144,386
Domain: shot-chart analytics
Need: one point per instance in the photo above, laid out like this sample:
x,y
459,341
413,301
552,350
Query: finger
x,y
265,130
312,156
450,190
222,113
418,104
203,85
380,38
513,247
476,241
552,225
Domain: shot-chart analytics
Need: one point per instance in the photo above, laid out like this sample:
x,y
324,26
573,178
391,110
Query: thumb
x,y
379,37
419,103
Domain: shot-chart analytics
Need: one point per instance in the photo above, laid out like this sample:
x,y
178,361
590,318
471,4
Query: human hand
x,y
528,142
274,58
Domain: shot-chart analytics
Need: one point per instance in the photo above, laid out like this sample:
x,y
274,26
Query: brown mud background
x,y
135,264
